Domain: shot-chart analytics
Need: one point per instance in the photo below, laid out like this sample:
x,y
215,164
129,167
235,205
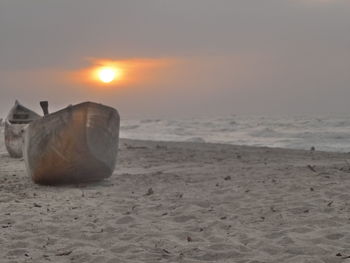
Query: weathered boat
x,y
74,145
17,119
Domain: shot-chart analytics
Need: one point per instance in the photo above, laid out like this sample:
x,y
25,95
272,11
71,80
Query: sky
x,y
181,58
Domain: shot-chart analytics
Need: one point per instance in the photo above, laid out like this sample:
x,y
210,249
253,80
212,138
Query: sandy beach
x,y
183,202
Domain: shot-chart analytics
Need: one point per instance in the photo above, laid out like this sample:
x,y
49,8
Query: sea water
x,y
322,133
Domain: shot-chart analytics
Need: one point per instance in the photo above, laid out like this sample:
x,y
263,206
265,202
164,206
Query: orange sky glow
x,y
122,73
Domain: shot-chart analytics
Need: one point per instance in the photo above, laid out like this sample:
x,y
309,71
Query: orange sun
x,y
108,74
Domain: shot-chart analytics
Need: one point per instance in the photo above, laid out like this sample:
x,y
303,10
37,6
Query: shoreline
x,y
238,145
183,202
218,144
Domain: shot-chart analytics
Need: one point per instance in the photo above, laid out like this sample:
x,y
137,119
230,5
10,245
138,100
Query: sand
x,y
183,202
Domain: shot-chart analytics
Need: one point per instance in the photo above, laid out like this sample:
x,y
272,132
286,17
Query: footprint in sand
x,y
335,236
221,247
17,252
18,245
122,249
125,220
182,219
219,256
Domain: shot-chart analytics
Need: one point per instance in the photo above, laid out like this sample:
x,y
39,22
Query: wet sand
x,y
183,202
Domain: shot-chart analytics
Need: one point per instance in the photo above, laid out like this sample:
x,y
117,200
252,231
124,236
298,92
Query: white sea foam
x,y
323,133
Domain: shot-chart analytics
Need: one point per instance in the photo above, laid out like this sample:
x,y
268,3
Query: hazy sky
x,y
190,57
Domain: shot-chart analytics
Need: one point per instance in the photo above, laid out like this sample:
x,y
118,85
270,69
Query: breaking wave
x,y
323,133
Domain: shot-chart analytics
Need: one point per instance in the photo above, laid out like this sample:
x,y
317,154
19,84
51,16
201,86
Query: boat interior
x,y
22,115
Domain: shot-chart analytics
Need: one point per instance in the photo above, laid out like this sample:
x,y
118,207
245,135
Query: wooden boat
x,y
74,145
17,119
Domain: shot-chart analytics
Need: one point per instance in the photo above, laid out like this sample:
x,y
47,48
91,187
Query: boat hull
x,y
17,120
14,139
77,144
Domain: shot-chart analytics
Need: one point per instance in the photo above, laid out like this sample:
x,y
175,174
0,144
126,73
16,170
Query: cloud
x,y
321,1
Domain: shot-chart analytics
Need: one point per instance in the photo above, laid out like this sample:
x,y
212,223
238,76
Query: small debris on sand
x,y
227,178
150,191
312,168
66,253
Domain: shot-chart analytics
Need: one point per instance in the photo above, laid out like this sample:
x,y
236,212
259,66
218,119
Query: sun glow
x,y
119,74
108,74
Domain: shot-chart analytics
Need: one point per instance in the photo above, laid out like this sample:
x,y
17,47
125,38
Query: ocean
x,y
323,133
